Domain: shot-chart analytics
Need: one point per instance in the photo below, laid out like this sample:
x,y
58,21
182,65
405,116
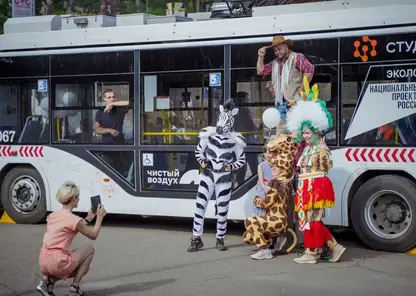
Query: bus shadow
x,y
167,223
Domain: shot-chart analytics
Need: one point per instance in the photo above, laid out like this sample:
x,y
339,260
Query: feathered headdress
x,y
309,111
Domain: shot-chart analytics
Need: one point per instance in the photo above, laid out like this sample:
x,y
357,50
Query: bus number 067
x,y
7,136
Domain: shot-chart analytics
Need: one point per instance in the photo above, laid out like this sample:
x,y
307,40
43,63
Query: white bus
x,y
175,72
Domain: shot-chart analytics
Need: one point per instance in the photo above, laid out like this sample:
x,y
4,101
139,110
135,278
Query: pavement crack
x,y
8,288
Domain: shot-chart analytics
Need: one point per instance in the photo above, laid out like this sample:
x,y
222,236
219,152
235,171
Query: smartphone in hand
x,y
95,201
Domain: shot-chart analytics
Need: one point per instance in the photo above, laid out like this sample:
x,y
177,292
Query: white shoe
x,y
306,258
262,254
337,252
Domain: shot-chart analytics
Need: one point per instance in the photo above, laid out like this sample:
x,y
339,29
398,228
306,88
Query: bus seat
x,y
44,137
32,130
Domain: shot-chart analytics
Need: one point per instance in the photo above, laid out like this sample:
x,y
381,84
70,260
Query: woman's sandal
x,y
46,287
78,292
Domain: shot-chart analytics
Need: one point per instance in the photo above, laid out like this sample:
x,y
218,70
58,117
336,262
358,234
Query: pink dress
x,y
55,259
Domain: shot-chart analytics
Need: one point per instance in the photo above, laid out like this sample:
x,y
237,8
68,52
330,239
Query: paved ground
x,y
136,258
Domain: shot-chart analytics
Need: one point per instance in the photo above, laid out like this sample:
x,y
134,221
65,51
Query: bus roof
x,y
49,32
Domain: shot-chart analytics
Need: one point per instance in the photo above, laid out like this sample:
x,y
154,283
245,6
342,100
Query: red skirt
x,y
317,193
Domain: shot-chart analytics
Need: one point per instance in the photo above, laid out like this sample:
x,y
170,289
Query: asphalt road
x,y
148,257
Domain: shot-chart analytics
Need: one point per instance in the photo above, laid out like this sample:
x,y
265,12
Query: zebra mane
x,y
239,139
229,105
207,131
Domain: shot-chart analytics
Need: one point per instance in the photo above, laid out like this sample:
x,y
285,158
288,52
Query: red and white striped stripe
x,y
23,151
392,155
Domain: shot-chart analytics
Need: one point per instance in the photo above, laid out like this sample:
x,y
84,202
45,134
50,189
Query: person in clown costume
x,y
309,119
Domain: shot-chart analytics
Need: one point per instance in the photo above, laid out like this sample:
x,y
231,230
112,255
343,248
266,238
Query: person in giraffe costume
x,y
309,119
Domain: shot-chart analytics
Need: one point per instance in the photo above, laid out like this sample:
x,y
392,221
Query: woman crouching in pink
x,y
56,260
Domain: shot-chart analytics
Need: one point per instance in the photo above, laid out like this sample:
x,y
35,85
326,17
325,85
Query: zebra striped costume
x,y
219,148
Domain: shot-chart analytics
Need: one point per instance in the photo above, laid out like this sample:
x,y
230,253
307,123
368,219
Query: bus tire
x,y
383,213
23,195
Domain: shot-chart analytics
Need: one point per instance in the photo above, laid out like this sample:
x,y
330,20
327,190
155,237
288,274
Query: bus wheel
x,y
23,195
383,213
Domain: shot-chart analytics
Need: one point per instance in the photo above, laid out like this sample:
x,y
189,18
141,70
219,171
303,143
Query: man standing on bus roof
x,y
109,122
287,72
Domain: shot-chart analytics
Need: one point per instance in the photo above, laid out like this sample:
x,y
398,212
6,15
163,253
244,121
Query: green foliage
x,y
92,7
5,12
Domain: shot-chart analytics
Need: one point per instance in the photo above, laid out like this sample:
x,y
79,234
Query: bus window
x,y
375,113
78,103
24,113
175,106
121,162
24,94
255,93
20,67
93,63
81,94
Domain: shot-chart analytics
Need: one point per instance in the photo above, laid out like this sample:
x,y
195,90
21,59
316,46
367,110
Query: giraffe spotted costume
x,y
261,230
310,118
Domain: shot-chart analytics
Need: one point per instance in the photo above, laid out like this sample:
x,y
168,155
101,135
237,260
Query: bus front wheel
x,y
23,195
383,213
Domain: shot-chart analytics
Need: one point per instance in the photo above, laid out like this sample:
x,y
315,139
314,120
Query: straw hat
x,y
280,40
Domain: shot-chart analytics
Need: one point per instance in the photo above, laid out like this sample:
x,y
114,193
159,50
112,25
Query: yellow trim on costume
x,y
322,204
315,92
311,176
306,85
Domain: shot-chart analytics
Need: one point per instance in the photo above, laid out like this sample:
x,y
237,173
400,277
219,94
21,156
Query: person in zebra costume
x,y
220,152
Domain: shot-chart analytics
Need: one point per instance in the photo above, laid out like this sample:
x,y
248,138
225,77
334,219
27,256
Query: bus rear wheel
x,y
23,195
383,213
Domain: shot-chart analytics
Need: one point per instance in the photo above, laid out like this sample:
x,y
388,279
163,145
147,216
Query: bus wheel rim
x,y
388,214
25,194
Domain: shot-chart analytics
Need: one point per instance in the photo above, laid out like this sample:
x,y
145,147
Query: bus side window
x,y
81,94
400,132
25,114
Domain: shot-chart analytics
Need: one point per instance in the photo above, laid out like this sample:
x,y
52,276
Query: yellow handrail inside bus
x,y
58,130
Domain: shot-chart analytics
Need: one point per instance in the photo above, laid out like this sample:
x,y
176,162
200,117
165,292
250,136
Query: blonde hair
x,y
67,192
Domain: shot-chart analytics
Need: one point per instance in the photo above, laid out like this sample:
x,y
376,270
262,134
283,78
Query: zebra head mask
x,y
225,122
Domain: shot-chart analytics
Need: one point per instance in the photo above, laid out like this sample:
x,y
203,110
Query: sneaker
x,y
262,254
306,258
43,289
196,244
279,244
220,245
337,252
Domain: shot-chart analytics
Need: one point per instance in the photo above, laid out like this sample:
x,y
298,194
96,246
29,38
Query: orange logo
x,y
364,48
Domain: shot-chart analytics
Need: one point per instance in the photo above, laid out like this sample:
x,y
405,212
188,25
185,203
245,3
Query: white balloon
x,y
69,99
271,117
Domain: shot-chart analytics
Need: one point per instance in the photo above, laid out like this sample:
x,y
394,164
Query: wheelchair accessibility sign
x,y
147,159
42,85
214,79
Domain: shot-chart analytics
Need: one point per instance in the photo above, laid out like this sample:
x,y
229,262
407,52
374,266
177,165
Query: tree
x,y
5,12
110,7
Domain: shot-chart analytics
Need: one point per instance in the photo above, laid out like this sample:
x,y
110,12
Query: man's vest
x,y
295,81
